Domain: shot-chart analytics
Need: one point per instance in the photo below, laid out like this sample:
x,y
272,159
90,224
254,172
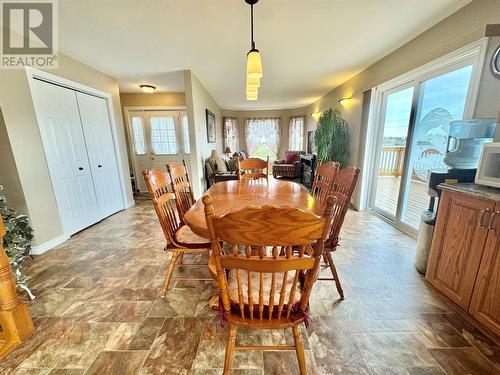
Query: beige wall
x,y
284,116
198,99
27,149
461,28
9,178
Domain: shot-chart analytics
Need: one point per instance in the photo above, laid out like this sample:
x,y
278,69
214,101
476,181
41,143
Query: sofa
x,y
289,167
222,164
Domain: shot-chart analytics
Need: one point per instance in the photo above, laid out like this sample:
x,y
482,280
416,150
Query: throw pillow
x,y
291,157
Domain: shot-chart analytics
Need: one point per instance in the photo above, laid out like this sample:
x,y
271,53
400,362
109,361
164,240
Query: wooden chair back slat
x,y
181,187
164,202
253,168
344,183
323,180
268,237
268,226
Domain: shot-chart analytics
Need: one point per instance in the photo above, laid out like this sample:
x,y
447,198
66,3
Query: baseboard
x,y
46,246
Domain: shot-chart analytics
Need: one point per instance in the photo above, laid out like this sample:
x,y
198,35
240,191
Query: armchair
x,y
289,166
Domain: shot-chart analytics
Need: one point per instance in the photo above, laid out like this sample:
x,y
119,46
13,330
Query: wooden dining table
x,y
230,196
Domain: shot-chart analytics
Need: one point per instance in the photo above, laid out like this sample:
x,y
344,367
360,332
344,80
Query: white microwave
x,y
488,170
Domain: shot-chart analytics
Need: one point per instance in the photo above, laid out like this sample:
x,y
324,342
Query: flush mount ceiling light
x,y
254,63
148,89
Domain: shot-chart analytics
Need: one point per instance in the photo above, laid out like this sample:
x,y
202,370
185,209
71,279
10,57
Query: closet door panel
x,y
101,152
64,145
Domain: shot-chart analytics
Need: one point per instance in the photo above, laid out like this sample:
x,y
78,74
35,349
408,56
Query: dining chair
x,y
181,187
269,290
180,239
253,168
323,180
343,185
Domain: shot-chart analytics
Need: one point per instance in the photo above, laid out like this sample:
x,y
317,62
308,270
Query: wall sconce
x,y
148,89
344,102
316,115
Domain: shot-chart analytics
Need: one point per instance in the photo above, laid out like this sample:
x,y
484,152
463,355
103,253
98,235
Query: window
x,y
231,134
139,141
185,134
296,133
163,137
263,137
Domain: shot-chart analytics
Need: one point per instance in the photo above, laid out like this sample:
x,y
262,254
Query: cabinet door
x,y
101,150
64,145
457,245
485,305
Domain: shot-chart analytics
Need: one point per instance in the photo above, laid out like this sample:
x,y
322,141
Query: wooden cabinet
x,y
485,304
464,263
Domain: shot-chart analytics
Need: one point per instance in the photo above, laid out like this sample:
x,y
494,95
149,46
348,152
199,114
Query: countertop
x,y
474,190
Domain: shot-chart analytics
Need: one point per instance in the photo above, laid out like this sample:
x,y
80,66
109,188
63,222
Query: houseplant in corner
x,y
332,138
17,241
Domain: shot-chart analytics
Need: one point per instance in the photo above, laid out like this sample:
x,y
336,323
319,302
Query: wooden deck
x,y
387,198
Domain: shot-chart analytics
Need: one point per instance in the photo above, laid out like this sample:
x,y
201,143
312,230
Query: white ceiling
x,y
308,47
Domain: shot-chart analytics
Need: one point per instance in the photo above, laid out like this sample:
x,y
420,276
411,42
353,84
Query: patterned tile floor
x,y
97,312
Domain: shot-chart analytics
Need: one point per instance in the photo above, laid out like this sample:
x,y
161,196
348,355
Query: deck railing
x,y
391,161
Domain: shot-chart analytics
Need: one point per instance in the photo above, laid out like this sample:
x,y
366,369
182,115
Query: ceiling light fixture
x,y
254,63
148,89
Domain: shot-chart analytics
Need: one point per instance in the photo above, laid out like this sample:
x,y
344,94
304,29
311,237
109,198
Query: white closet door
x,y
64,144
101,151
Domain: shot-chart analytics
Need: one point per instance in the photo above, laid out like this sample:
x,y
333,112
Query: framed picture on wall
x,y
210,126
310,142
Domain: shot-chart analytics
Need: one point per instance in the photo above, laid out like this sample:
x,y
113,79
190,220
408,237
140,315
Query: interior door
x,y
66,153
101,152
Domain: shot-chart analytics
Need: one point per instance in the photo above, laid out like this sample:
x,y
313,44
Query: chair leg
x,y
170,271
299,349
231,341
181,258
329,260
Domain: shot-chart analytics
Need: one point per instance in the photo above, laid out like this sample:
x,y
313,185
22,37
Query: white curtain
x,y
231,136
296,133
262,136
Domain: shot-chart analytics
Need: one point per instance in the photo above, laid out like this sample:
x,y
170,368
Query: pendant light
x,y
254,63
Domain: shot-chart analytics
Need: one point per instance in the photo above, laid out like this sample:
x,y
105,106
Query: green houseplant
x,y
332,138
17,241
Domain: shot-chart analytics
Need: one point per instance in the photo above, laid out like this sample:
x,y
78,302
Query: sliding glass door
x,y
395,123
413,124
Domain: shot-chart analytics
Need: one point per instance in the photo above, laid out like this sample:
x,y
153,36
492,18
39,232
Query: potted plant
x,y
17,241
332,138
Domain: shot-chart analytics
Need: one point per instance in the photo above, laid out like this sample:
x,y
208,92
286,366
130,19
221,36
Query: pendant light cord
x,y
251,28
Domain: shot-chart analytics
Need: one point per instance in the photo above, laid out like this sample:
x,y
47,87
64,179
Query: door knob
x,y
80,168
99,166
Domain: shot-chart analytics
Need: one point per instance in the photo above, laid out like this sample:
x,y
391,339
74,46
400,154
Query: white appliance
x,y
488,171
78,144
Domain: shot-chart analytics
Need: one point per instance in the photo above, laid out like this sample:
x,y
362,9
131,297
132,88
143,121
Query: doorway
x,y
411,127
157,137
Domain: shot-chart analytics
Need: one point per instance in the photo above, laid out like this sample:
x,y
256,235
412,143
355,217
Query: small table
x,y
224,176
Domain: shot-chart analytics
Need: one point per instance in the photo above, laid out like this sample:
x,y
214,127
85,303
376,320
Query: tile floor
x,y
97,312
